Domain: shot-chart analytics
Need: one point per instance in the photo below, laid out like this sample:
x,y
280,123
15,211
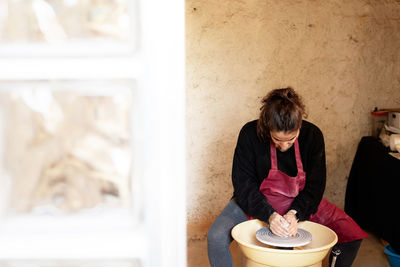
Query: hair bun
x,y
285,93
282,110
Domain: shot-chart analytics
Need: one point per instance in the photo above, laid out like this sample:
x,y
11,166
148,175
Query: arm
x,y
307,201
244,179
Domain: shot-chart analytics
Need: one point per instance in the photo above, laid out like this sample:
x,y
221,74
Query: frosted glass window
x,y
67,147
92,133
63,20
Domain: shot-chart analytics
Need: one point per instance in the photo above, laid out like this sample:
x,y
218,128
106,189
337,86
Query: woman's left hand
x,y
291,218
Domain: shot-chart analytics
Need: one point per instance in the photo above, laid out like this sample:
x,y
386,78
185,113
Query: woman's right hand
x,y
278,224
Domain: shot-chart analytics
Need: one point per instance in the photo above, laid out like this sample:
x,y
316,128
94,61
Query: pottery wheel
x,y
265,236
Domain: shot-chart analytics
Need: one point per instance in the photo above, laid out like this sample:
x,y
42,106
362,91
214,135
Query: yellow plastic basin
x,y
257,254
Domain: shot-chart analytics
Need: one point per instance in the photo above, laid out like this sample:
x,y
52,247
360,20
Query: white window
x,y
92,133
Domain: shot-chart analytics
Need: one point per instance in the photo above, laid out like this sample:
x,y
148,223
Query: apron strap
x,y
274,161
298,156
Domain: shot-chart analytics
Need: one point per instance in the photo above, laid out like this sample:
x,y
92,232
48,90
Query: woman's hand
x,y
291,218
279,225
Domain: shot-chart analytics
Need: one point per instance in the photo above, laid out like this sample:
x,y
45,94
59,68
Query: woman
x,y
279,175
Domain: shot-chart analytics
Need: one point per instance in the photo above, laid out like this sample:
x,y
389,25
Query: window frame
x,y
157,65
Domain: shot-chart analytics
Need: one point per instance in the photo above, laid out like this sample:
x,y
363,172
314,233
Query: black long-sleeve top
x,y
252,162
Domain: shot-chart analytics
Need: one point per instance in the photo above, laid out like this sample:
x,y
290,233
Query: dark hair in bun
x,y
282,110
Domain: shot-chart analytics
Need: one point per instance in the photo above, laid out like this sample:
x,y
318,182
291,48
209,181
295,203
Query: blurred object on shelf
x,y
394,119
379,118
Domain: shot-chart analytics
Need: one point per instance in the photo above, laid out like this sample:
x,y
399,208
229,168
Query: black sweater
x,y
251,164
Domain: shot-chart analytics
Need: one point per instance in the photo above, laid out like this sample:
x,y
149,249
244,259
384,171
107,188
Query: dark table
x,y
373,191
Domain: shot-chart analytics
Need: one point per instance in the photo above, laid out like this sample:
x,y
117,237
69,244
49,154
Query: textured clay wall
x,y
342,56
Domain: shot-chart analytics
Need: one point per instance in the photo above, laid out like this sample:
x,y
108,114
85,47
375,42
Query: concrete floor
x,y
370,254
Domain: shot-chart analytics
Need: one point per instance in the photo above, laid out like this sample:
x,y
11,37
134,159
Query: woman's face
x,y
284,140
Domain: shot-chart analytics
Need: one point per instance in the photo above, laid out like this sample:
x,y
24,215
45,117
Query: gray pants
x,y
219,239
219,235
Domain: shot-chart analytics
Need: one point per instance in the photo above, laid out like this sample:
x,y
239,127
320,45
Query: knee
x,y
218,234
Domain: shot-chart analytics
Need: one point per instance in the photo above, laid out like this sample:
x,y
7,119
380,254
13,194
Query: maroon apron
x,y
281,189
